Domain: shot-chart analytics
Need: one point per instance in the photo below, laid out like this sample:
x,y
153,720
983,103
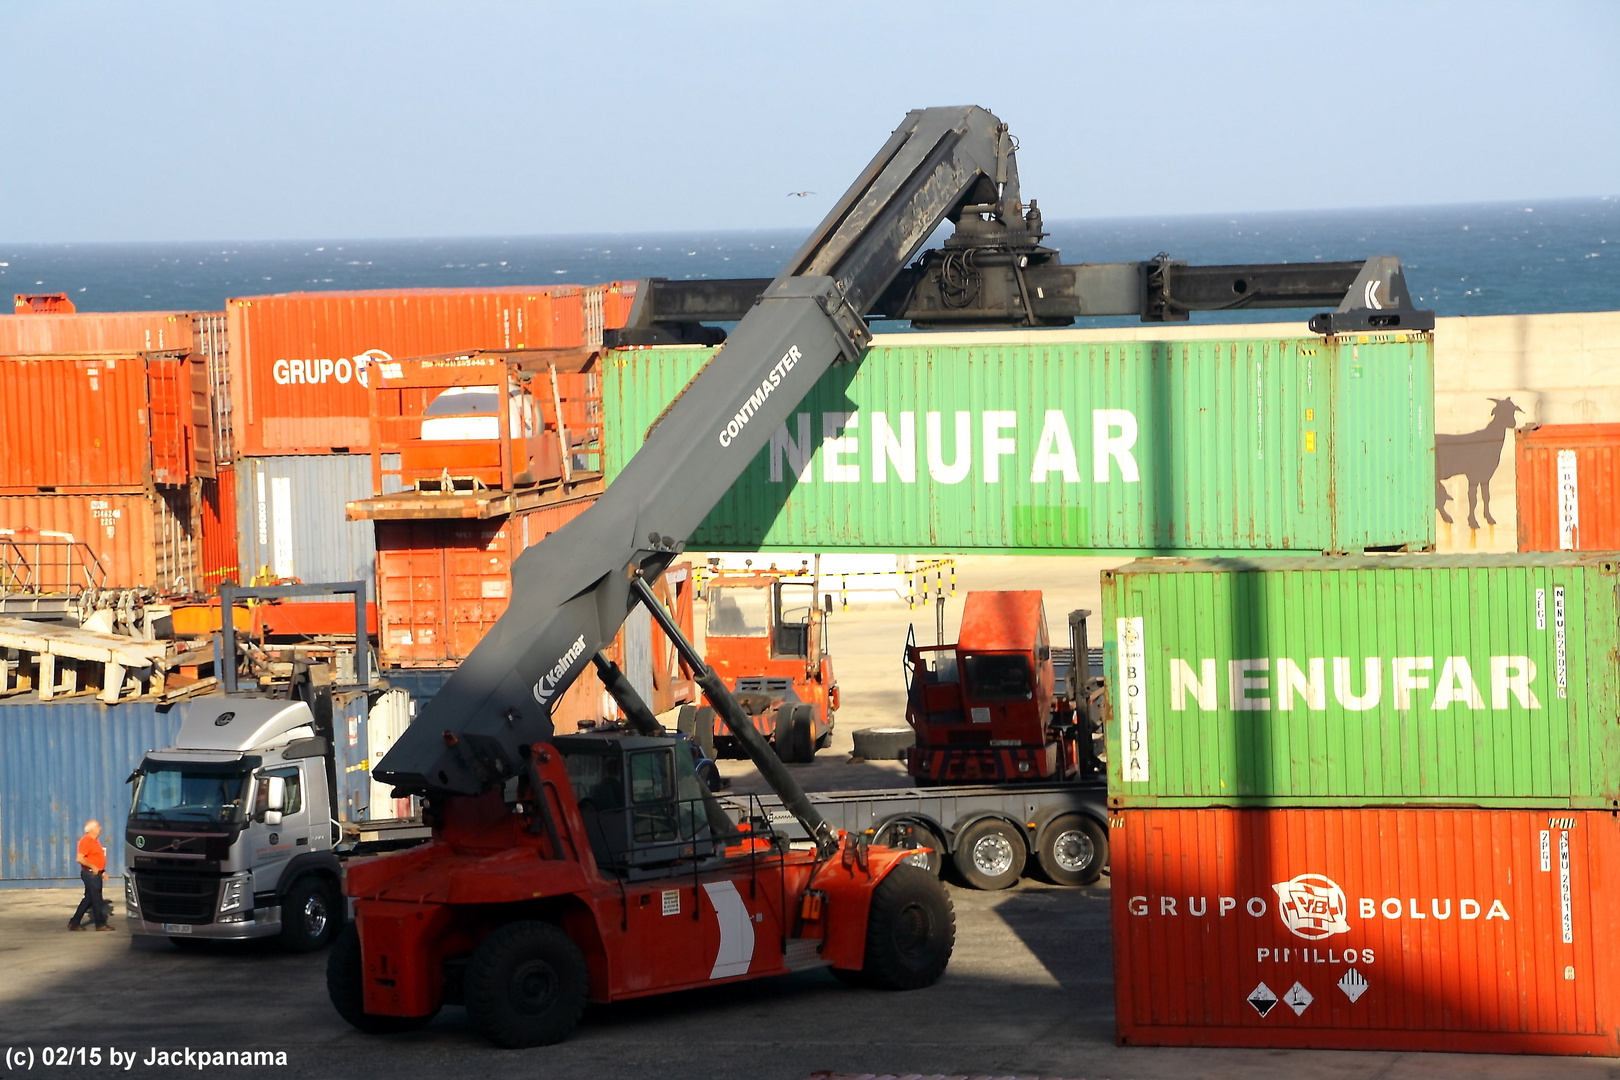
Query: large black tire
x,y
883,743
910,931
990,855
906,834
1073,850
804,733
311,915
345,985
703,730
527,985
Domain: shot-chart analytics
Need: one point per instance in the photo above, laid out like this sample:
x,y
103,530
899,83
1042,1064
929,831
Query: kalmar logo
x,y
1312,906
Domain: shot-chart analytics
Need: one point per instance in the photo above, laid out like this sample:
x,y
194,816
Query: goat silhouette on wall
x,y
1475,455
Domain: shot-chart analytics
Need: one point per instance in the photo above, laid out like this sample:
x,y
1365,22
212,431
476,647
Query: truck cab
x,y
766,636
232,831
987,709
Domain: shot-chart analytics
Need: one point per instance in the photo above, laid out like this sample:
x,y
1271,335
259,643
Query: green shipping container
x,y
1292,444
1363,680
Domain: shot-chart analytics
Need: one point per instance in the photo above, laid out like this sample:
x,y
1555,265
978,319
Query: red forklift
x,y
766,636
1001,705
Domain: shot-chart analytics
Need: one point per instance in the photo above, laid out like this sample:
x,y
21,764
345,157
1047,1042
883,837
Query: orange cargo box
x,y
1566,476
1367,929
93,332
56,543
301,362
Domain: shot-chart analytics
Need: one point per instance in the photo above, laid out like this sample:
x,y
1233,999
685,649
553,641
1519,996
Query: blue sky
x,y
192,121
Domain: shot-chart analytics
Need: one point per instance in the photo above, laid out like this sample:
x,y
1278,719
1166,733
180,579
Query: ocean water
x,y
1488,259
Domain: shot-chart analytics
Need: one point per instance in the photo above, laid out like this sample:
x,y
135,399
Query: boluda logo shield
x,y
1312,906
547,686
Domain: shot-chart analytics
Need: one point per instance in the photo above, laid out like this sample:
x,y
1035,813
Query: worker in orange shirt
x,y
92,859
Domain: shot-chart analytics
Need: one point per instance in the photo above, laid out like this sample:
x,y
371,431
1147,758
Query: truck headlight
x,y
233,894
132,901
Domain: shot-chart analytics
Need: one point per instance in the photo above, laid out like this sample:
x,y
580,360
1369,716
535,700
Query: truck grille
x,y
176,898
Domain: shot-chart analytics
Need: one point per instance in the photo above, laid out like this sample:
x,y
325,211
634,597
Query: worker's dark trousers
x,y
92,899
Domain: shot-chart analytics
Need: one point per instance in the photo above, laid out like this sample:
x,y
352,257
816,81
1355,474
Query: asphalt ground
x,y
1029,991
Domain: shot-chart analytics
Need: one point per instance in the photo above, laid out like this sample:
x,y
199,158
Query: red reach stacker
x,y
595,866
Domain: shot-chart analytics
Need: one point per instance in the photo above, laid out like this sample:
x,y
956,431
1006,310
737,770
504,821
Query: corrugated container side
x,y
1270,444
170,413
298,388
217,528
291,515
1566,480
1486,680
1445,930
442,584
74,422
137,539
62,763
96,332
210,341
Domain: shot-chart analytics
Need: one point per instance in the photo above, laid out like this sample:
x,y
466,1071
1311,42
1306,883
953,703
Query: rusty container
x,y
301,362
94,332
1566,487
441,584
217,530
68,543
1359,929
98,422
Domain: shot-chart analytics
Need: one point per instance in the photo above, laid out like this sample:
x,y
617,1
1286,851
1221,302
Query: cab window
x,y
294,801
739,612
998,678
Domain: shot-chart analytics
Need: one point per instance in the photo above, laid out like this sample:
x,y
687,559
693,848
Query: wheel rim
x,y
993,855
315,916
533,986
1073,851
913,929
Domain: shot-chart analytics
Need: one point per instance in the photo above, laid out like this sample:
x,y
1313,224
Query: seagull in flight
x,y
799,194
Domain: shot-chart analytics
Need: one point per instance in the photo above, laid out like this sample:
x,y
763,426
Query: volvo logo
x,y
140,841
224,718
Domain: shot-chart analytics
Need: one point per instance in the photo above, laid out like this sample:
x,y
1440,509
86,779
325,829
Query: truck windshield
x,y
190,792
737,611
997,678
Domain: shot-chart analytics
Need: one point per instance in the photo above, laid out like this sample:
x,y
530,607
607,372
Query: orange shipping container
x,y
110,422
1367,929
93,332
1566,487
216,526
55,543
441,584
300,361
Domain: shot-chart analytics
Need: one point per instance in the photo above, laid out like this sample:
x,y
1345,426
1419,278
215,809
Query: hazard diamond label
x,y
1298,998
1262,999
1354,984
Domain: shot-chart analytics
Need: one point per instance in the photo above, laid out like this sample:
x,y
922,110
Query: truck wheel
x,y
990,855
310,916
791,740
804,733
883,743
1073,850
345,985
703,730
910,931
903,835
526,985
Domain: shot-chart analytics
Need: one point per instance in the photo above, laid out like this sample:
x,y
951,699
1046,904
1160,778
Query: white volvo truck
x,y
233,831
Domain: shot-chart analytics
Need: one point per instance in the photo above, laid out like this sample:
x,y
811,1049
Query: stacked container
x,y
1365,802
305,366
1566,479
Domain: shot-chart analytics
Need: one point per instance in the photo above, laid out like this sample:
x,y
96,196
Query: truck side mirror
x,y
826,603
275,799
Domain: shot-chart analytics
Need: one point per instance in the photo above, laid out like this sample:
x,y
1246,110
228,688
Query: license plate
x,y
176,928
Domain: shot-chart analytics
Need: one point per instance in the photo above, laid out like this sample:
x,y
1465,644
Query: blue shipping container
x,y
64,762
